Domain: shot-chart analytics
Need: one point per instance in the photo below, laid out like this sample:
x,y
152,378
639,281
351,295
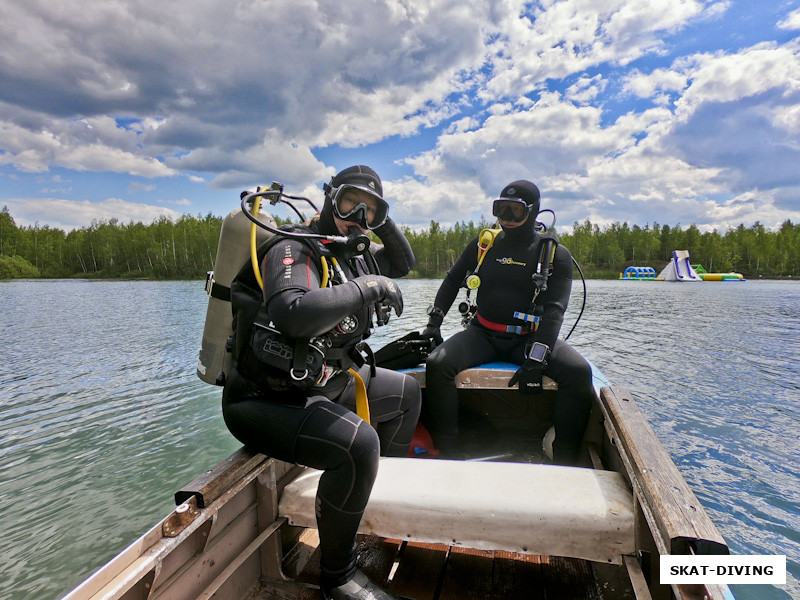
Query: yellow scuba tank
x,y
233,251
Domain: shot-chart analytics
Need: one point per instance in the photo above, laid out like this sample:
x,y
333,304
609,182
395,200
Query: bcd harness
x,y
529,375
264,356
530,320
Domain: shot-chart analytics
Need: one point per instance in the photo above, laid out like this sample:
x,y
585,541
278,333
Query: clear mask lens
x,y
369,214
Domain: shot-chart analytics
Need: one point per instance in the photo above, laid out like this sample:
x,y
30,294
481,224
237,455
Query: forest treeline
x,y
186,248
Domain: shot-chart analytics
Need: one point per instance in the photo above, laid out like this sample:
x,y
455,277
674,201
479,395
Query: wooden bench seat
x,y
489,376
528,508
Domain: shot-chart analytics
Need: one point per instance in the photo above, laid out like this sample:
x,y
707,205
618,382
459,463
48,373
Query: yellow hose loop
x,y
253,249
325,272
485,240
362,403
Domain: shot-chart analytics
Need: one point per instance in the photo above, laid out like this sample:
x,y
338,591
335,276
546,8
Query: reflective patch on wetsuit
x,y
510,261
288,261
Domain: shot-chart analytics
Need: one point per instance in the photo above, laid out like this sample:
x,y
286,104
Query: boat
x,y
502,524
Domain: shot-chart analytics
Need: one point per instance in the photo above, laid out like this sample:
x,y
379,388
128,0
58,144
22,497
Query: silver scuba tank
x,y
233,251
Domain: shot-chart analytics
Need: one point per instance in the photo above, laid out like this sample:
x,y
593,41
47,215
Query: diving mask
x,y
507,209
359,204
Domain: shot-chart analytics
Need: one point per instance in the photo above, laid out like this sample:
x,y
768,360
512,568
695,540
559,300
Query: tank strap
x,y
221,292
217,290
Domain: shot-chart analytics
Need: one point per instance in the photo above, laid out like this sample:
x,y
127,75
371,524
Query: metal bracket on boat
x,y
181,518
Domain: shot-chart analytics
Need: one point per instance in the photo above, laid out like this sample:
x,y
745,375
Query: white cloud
x,y
66,144
723,78
240,95
61,213
568,36
586,89
792,21
208,79
676,157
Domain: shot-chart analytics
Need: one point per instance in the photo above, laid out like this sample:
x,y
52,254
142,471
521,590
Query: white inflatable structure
x,y
679,269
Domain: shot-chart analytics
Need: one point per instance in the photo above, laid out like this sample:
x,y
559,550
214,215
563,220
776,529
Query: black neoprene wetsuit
x,y
507,286
319,428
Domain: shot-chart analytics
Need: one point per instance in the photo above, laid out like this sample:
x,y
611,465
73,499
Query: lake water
x,y
102,417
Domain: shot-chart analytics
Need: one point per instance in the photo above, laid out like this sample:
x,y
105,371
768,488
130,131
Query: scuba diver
x,y
319,296
523,283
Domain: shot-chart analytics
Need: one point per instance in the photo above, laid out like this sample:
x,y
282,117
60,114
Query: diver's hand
x,y
434,333
377,288
529,376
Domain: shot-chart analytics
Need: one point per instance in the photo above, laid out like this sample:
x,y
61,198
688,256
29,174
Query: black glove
x,y
529,376
433,331
377,288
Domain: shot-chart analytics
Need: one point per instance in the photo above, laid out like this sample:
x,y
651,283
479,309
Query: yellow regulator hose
x,y
362,403
253,249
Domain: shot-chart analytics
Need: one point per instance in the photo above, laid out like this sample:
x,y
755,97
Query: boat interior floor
x,y
480,439
438,572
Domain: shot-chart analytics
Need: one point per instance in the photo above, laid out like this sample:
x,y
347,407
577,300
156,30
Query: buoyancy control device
x,y
486,239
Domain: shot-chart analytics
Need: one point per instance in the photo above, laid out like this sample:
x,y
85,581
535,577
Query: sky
x,y
675,112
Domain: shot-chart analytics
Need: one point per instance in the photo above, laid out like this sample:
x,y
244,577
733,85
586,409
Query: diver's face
x,y
512,224
347,203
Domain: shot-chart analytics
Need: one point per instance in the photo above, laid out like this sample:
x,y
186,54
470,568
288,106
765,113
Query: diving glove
x,y
529,376
377,288
433,331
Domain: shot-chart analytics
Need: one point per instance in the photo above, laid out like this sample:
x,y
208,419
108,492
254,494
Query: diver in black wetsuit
x,y
319,427
507,285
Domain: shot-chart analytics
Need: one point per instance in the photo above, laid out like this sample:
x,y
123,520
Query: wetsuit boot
x,y
357,587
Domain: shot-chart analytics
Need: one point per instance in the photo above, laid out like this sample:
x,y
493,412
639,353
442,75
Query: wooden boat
x,y
500,527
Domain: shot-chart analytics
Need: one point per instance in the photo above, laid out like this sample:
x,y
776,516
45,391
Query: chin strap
x,y
362,403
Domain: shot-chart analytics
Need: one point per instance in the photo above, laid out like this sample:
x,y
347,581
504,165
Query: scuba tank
x,y
232,252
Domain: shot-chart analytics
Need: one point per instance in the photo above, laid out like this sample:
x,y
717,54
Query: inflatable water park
x,y
679,268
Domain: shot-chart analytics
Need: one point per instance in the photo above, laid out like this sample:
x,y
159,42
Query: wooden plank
x,y
480,377
214,482
638,582
376,557
516,576
569,578
419,571
614,581
493,379
468,575
678,520
300,556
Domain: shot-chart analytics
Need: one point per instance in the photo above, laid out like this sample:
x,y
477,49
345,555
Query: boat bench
x,y
488,376
517,507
